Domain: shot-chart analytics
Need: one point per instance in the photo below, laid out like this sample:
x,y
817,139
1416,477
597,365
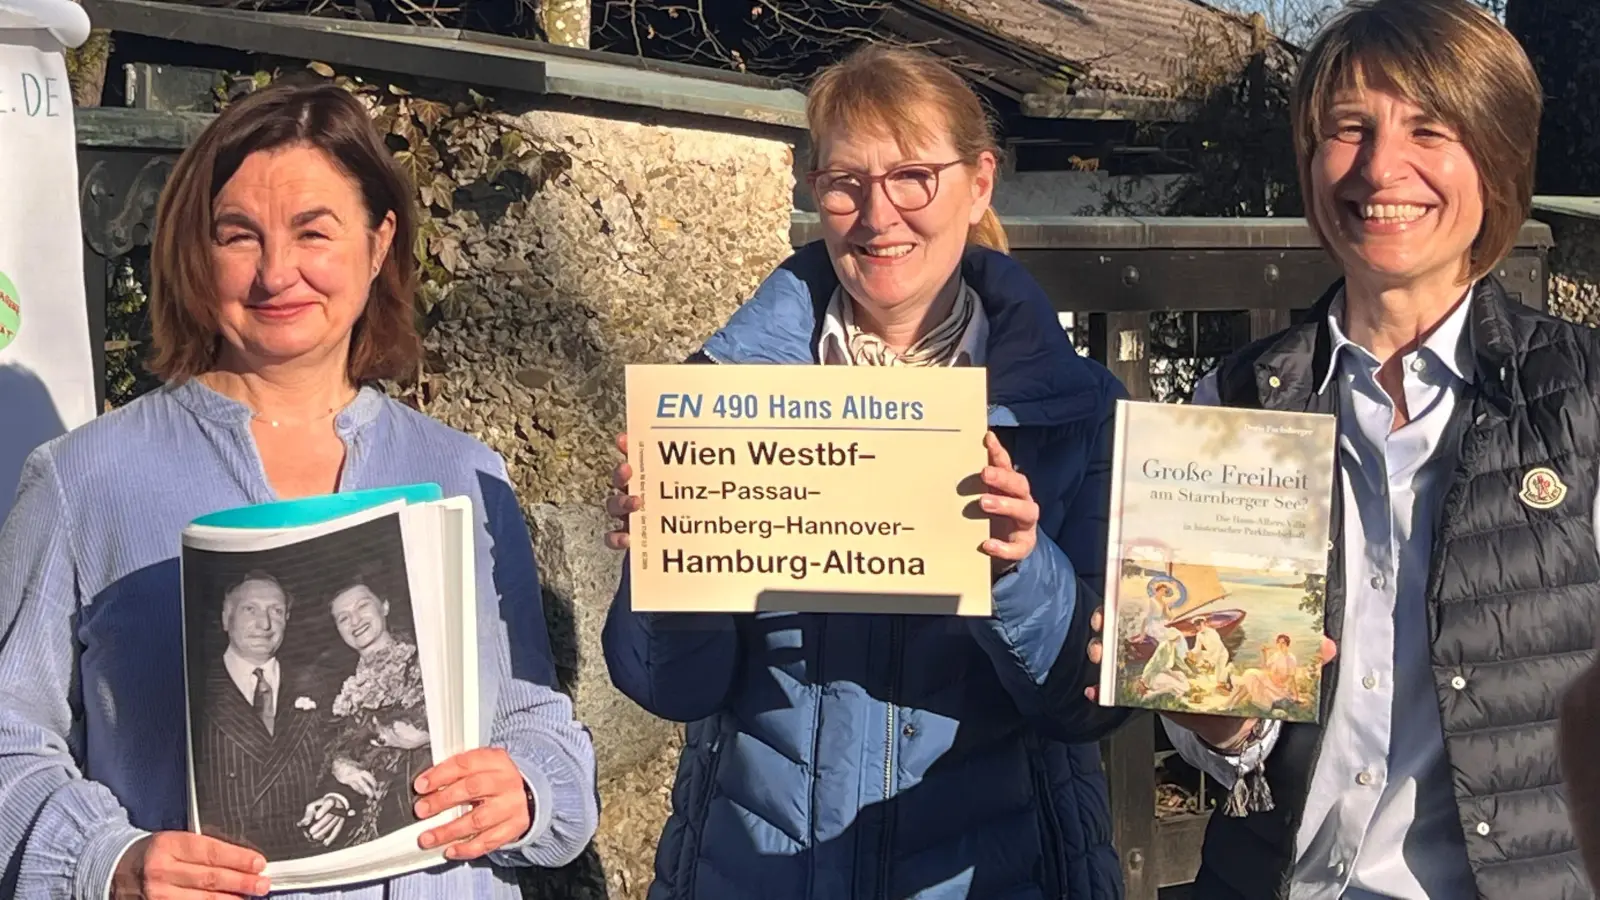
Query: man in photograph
x,y
259,735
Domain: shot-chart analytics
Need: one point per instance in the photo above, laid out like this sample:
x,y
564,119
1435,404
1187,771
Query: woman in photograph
x,y
380,739
282,279
844,755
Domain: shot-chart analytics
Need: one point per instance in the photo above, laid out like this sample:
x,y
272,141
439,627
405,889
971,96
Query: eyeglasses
x,y
909,188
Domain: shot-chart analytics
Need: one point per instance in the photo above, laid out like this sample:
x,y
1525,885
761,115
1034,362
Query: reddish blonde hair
x,y
877,90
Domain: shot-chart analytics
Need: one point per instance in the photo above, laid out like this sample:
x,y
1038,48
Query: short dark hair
x,y
183,319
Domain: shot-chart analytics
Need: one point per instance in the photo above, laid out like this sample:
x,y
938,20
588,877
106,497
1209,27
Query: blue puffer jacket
x,y
878,757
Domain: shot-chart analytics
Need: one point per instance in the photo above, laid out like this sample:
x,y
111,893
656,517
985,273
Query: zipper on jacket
x,y
1047,820
820,679
887,840
713,760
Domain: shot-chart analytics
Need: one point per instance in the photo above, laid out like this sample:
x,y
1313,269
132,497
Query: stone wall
x,y
630,243
1574,267
624,243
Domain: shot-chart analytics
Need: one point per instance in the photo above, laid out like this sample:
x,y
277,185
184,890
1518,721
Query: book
x,y
330,657
1216,560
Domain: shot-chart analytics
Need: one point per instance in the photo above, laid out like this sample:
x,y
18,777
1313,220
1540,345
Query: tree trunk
x,y
86,67
1562,37
565,22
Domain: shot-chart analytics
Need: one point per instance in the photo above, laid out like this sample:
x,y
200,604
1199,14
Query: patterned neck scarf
x,y
939,347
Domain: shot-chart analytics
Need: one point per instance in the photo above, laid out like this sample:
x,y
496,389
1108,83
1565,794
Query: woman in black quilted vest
x,y
1464,580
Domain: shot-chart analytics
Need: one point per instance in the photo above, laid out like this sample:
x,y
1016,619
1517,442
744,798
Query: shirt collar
x,y
206,403
1447,343
833,344
242,671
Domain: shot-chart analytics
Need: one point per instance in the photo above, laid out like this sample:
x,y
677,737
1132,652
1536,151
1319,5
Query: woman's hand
x,y
355,778
622,504
1097,623
178,865
1013,516
324,819
402,735
488,781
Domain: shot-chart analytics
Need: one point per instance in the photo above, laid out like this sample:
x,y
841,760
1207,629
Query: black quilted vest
x,y
1513,595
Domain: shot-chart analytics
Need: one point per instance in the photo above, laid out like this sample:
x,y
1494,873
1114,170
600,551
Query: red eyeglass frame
x,y
871,181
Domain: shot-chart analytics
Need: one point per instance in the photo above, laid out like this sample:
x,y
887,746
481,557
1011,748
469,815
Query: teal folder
x,y
312,510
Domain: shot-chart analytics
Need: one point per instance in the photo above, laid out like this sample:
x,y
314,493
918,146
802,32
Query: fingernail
x,y
263,887
427,841
987,503
422,785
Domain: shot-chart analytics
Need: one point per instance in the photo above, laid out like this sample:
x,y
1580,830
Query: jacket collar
x,y
1291,371
1035,375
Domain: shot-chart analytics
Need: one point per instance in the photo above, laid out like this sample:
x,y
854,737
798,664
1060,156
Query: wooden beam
x,y
1120,341
1129,757
1106,106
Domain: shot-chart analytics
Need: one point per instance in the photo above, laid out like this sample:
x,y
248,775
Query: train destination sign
x,y
808,488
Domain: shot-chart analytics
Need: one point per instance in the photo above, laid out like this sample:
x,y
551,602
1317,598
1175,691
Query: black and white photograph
x,y
308,721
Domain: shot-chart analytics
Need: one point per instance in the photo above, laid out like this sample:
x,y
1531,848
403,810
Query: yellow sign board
x,y
808,489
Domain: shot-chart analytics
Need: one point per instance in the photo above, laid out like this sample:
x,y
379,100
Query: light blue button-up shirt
x,y
1380,819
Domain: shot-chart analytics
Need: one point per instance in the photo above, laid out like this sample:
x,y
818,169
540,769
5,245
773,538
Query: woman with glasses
x,y
862,755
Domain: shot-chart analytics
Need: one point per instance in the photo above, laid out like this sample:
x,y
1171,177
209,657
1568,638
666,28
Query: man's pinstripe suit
x,y
252,787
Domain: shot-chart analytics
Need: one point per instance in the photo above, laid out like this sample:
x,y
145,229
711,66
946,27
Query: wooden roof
x,y
1039,51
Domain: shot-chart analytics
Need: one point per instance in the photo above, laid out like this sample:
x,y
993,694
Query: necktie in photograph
x,y
263,700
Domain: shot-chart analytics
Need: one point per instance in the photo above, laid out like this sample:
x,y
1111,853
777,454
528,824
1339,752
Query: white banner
x,y
46,370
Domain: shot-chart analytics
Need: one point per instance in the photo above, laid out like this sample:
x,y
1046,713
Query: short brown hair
x,y
183,318
1463,68
872,91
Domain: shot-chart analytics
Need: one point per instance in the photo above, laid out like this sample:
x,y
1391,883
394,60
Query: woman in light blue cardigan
x,y
282,289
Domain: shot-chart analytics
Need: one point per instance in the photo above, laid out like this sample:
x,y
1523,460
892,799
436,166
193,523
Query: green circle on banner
x,y
10,311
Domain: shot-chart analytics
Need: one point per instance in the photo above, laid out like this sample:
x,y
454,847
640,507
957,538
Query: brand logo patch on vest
x,y
1542,488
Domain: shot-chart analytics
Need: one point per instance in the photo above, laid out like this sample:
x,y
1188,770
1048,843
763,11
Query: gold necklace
x,y
255,414
274,422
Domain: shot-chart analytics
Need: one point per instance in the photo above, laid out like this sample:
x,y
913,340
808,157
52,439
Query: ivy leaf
x,y
450,255
427,233
429,113
399,91
419,162
321,68
383,118
512,143
444,191
404,127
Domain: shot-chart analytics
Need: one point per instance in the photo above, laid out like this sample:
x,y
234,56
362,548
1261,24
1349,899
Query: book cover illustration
x,y
1217,558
